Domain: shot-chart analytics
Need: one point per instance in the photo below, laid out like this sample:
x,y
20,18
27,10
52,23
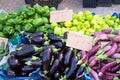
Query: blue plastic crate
x,y
104,3
35,76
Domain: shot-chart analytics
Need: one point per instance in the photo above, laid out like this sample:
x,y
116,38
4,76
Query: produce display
x,y
30,19
47,48
104,58
49,53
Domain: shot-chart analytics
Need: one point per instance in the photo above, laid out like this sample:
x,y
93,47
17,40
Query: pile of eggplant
x,y
104,57
49,53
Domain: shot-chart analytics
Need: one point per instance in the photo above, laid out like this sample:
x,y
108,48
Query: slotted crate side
x,y
104,3
116,1
89,3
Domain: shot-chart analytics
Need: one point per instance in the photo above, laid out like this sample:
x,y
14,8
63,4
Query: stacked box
x,y
89,3
104,3
116,1
50,3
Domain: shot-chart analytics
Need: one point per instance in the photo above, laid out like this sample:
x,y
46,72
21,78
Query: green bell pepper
x,y
8,30
41,29
29,28
3,17
37,22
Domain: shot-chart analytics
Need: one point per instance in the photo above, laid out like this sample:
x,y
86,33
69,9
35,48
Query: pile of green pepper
x,y
30,19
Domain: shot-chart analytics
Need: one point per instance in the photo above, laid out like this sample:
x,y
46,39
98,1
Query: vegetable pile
x,y
104,57
30,19
49,53
86,23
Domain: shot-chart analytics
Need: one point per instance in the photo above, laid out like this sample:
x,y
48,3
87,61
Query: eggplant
x,y
49,46
107,30
57,76
72,68
58,44
26,59
37,40
27,69
26,34
28,50
46,58
68,56
116,39
79,72
94,74
35,64
54,38
54,66
13,62
24,74
65,35
37,34
10,72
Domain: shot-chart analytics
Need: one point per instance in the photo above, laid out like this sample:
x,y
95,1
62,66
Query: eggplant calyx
x,y
84,64
47,42
88,69
28,63
30,74
64,40
37,49
116,78
55,50
95,40
45,72
118,61
63,77
104,44
34,58
79,62
99,52
118,72
18,49
101,57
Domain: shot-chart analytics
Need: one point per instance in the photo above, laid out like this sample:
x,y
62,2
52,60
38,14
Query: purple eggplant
x,y
54,38
54,66
116,56
26,34
107,30
13,62
115,68
93,62
94,50
116,39
24,74
79,72
28,50
37,40
27,69
68,56
10,72
46,58
94,74
37,34
72,68
37,63
26,59
58,44
116,32
106,67
57,76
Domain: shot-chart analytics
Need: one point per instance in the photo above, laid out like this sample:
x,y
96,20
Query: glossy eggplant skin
x,y
54,38
36,64
57,76
58,44
26,59
46,58
54,66
68,56
72,68
27,69
79,71
13,62
37,40
25,51
10,72
37,34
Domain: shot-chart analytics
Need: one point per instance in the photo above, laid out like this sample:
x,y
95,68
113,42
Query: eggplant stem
x,y
101,57
79,62
28,63
34,58
38,49
104,44
118,61
55,50
46,42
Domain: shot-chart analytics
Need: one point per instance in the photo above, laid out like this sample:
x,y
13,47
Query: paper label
x,y
5,41
79,41
61,15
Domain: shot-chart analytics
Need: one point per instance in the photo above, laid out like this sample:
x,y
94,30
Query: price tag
x,y
5,41
79,41
61,15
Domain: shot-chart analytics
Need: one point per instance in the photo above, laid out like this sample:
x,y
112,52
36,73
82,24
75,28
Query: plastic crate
x,y
89,3
35,76
50,3
116,1
104,3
